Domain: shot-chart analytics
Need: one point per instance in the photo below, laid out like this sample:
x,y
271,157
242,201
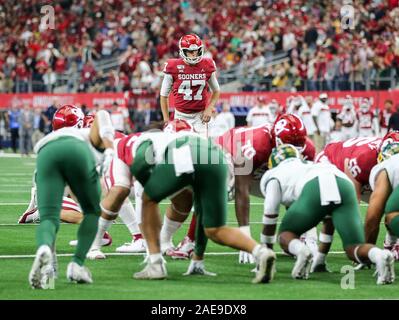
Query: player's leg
x,y
31,214
153,193
185,248
325,240
392,220
176,213
346,219
50,189
128,217
82,178
303,214
211,196
118,183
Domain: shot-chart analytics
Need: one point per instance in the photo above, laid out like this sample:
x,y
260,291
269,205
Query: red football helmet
x,y
191,42
68,116
177,125
289,128
88,121
392,136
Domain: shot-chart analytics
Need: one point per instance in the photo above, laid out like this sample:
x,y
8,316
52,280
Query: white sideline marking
x,y
16,155
17,174
139,254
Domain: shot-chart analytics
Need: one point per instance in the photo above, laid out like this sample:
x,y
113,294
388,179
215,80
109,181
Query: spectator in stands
x,y
222,121
394,120
259,114
49,114
2,130
13,123
384,116
49,79
119,117
38,125
142,116
26,122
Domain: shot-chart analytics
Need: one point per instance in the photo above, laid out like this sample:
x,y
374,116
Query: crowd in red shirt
x,y
237,34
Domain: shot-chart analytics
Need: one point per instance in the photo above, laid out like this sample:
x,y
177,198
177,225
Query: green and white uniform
x,y
313,191
166,163
66,157
391,166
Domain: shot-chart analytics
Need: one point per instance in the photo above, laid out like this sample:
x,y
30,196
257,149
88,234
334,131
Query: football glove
x,y
198,267
245,257
108,156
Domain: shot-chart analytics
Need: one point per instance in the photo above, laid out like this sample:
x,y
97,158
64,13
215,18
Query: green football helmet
x,y
281,153
388,151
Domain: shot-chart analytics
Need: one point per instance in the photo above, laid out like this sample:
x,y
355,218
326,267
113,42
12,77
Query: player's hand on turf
x,y
206,115
198,267
245,257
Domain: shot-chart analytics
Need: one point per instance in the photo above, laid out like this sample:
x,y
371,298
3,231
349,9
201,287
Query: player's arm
x,y
102,132
272,202
375,210
166,87
242,188
352,172
215,88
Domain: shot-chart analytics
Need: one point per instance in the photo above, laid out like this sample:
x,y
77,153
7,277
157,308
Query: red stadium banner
x,y
43,100
241,99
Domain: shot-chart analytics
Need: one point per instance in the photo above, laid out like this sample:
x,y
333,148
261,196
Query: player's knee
x,y
114,199
390,216
213,234
71,216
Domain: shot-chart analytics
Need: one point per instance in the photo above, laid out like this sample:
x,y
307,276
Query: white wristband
x,y
325,238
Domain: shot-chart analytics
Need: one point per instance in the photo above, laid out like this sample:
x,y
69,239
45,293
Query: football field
x,y
113,276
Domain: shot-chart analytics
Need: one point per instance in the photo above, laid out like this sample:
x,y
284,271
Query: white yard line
x,y
17,174
138,254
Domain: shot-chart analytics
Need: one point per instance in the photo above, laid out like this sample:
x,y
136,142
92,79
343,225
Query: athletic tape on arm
x,y
106,130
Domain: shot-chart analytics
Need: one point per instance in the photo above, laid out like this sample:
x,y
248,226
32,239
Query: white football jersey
x,y
391,166
293,174
160,141
80,134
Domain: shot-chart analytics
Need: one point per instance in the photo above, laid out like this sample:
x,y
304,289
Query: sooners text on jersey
x,y
190,83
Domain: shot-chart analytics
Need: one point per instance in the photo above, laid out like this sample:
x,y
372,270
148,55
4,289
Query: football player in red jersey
x,y
249,150
119,182
355,157
188,78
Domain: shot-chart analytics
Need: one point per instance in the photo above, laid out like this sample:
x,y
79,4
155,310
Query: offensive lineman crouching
x,y
312,191
188,161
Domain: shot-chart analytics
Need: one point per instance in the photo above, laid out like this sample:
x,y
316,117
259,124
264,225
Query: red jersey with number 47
x,y
361,152
190,83
254,143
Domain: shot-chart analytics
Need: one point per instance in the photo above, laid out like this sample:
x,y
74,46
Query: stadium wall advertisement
x,y
238,101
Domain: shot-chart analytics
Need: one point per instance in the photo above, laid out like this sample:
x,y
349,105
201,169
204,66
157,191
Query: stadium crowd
x,y
241,35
